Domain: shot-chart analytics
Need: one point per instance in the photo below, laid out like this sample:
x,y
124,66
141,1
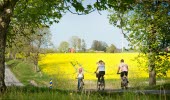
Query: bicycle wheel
x,y
81,86
98,85
102,84
124,83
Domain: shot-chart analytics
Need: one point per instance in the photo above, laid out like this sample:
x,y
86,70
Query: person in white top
x,y
80,76
100,69
123,68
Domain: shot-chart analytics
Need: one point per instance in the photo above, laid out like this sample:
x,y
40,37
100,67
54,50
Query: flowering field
x,y
65,65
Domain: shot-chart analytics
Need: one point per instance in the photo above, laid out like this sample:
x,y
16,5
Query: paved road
x,y
10,79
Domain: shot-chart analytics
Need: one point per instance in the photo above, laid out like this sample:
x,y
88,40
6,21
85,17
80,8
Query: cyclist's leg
x,y
126,74
82,81
121,75
102,80
99,76
78,85
103,73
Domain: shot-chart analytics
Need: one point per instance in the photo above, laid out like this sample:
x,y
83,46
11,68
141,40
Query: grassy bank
x,y
24,71
65,89
35,93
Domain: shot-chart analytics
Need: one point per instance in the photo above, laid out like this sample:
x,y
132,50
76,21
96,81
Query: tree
x,y
99,45
63,47
39,40
147,25
111,49
83,45
75,42
26,12
79,46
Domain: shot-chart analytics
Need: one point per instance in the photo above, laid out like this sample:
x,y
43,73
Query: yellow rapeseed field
x,y
64,65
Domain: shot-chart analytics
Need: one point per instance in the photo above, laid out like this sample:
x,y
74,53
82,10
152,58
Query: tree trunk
x,y
151,57
152,78
3,30
6,9
2,57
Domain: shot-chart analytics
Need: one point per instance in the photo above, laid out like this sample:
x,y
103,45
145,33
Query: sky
x,y
88,27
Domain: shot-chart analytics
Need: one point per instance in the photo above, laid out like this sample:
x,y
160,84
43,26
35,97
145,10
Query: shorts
x,y
101,73
124,73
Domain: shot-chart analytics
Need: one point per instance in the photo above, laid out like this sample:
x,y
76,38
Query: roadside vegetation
x,y
66,89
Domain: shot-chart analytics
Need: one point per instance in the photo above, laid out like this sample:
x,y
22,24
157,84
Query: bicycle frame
x,y
102,83
124,82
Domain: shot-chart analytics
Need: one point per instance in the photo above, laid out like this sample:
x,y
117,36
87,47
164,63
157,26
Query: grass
x,y
65,89
37,93
24,71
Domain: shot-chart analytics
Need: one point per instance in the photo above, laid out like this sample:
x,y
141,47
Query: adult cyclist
x,y
101,69
123,68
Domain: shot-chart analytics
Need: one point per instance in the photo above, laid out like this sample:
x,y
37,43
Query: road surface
x,y
10,79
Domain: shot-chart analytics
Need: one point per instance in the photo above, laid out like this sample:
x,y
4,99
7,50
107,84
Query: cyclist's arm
x,y
118,69
97,69
77,75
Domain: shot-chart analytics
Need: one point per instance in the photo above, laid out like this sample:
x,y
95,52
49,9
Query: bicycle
x,y
101,84
124,82
80,84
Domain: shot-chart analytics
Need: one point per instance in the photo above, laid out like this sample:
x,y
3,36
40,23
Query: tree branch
x,y
83,13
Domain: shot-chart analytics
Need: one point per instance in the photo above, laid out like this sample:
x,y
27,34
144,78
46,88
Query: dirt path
x,y
10,79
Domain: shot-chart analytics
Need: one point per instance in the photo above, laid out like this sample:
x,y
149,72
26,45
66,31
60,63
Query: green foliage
x,y
99,45
38,11
146,27
77,43
63,47
111,49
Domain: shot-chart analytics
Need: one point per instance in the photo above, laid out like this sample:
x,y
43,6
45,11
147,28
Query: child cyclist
x,y
80,77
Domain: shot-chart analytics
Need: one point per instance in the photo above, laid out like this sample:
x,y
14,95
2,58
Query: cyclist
x,y
80,77
80,69
123,68
101,69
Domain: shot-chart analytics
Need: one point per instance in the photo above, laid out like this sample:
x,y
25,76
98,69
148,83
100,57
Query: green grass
x,y
65,89
35,93
24,71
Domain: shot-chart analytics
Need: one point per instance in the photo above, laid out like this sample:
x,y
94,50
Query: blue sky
x,y
88,27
